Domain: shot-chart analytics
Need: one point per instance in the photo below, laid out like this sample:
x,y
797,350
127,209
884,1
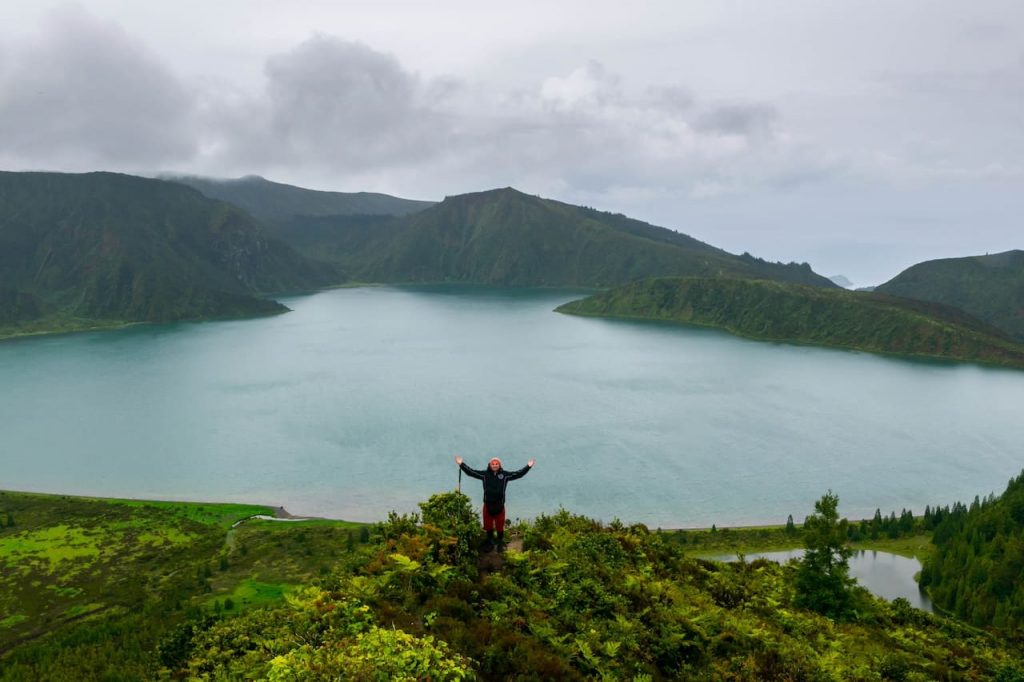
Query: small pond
x,y
882,573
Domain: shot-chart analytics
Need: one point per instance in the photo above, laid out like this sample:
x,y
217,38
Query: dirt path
x,y
280,514
492,561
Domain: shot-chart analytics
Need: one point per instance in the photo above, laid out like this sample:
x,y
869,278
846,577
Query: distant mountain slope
x,y
779,311
274,201
102,248
505,237
989,287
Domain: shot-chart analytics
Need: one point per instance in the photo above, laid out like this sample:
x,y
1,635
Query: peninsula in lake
x,y
777,311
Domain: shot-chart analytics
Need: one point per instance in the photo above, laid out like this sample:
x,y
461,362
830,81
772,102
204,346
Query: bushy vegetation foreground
x,y
89,588
412,600
582,600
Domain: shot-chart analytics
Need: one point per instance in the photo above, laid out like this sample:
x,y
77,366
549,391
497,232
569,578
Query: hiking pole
x,y
460,479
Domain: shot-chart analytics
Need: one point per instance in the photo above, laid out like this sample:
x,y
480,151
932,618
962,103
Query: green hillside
x,y
989,287
274,202
977,568
114,589
98,249
505,237
90,588
828,317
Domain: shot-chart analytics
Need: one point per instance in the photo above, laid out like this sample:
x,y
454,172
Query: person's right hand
x,y
458,460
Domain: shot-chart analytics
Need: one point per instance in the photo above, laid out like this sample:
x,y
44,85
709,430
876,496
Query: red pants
x,y
496,522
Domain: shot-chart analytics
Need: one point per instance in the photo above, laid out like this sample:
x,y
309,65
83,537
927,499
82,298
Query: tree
x,y
790,526
823,582
452,513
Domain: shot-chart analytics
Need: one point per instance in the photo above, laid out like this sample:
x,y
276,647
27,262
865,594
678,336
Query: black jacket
x,y
494,484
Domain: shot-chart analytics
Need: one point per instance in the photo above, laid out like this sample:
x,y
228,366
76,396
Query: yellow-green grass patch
x,y
11,621
55,544
164,536
249,593
82,609
913,546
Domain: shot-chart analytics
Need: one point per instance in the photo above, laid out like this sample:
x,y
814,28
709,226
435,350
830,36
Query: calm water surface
x,y
355,403
883,573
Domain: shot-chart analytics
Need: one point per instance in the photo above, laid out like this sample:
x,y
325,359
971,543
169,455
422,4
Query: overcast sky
x,y
859,136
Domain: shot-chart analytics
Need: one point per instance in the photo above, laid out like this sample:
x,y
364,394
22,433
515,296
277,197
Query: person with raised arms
x,y
495,481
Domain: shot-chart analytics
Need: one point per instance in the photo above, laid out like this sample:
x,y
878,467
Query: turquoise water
x,y
355,403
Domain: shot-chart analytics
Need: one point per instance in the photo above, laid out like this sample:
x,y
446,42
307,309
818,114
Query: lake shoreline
x,y
895,355
914,546
117,325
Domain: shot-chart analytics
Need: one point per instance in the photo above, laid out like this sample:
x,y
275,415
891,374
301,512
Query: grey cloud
x,y
985,31
85,93
672,98
334,104
954,124
586,133
326,85
587,87
737,119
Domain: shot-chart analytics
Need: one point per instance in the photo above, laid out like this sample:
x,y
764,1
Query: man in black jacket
x,y
495,480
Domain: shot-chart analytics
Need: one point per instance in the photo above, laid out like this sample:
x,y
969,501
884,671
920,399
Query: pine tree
x,y
823,582
892,528
876,524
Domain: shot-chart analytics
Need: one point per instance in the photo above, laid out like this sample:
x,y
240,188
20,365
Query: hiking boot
x,y
487,546
501,547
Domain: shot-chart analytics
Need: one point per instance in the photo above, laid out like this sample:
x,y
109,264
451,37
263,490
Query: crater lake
x,y
356,402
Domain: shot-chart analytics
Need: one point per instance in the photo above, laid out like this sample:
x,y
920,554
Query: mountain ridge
x,y
273,202
507,237
101,249
990,287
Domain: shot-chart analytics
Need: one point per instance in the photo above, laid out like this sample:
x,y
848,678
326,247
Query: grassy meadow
x,y
77,574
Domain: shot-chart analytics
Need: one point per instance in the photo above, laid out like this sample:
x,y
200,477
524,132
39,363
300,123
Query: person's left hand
x,y
531,463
